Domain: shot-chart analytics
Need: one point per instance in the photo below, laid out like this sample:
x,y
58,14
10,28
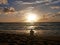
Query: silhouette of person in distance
x,y
31,32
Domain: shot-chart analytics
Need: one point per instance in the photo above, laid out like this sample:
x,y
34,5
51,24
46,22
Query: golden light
x,y
31,17
28,31
30,27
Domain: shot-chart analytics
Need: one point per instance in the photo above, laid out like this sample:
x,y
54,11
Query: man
x,y
31,33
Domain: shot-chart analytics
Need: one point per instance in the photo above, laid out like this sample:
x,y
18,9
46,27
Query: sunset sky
x,y
46,10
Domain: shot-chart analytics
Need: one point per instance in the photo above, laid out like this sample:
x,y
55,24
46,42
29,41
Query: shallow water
x,y
36,32
40,28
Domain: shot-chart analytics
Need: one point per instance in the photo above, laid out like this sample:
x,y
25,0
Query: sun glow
x,y
31,17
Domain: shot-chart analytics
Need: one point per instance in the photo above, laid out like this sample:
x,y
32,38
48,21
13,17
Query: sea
x,y
39,28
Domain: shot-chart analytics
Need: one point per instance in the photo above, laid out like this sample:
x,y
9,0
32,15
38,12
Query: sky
x,y
46,10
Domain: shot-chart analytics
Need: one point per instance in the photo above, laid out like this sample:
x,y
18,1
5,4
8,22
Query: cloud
x,y
55,7
22,4
53,17
52,2
7,10
44,6
59,12
55,2
35,2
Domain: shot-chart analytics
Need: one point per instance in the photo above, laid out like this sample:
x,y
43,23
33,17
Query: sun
x,y
31,17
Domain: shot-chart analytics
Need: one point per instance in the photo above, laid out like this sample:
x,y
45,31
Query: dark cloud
x,y
24,0
54,0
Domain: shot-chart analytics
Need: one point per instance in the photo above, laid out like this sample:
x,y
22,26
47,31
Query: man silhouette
x,y
31,37
31,32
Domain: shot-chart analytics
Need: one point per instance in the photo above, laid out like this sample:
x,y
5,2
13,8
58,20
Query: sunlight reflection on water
x,y
42,32
36,32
